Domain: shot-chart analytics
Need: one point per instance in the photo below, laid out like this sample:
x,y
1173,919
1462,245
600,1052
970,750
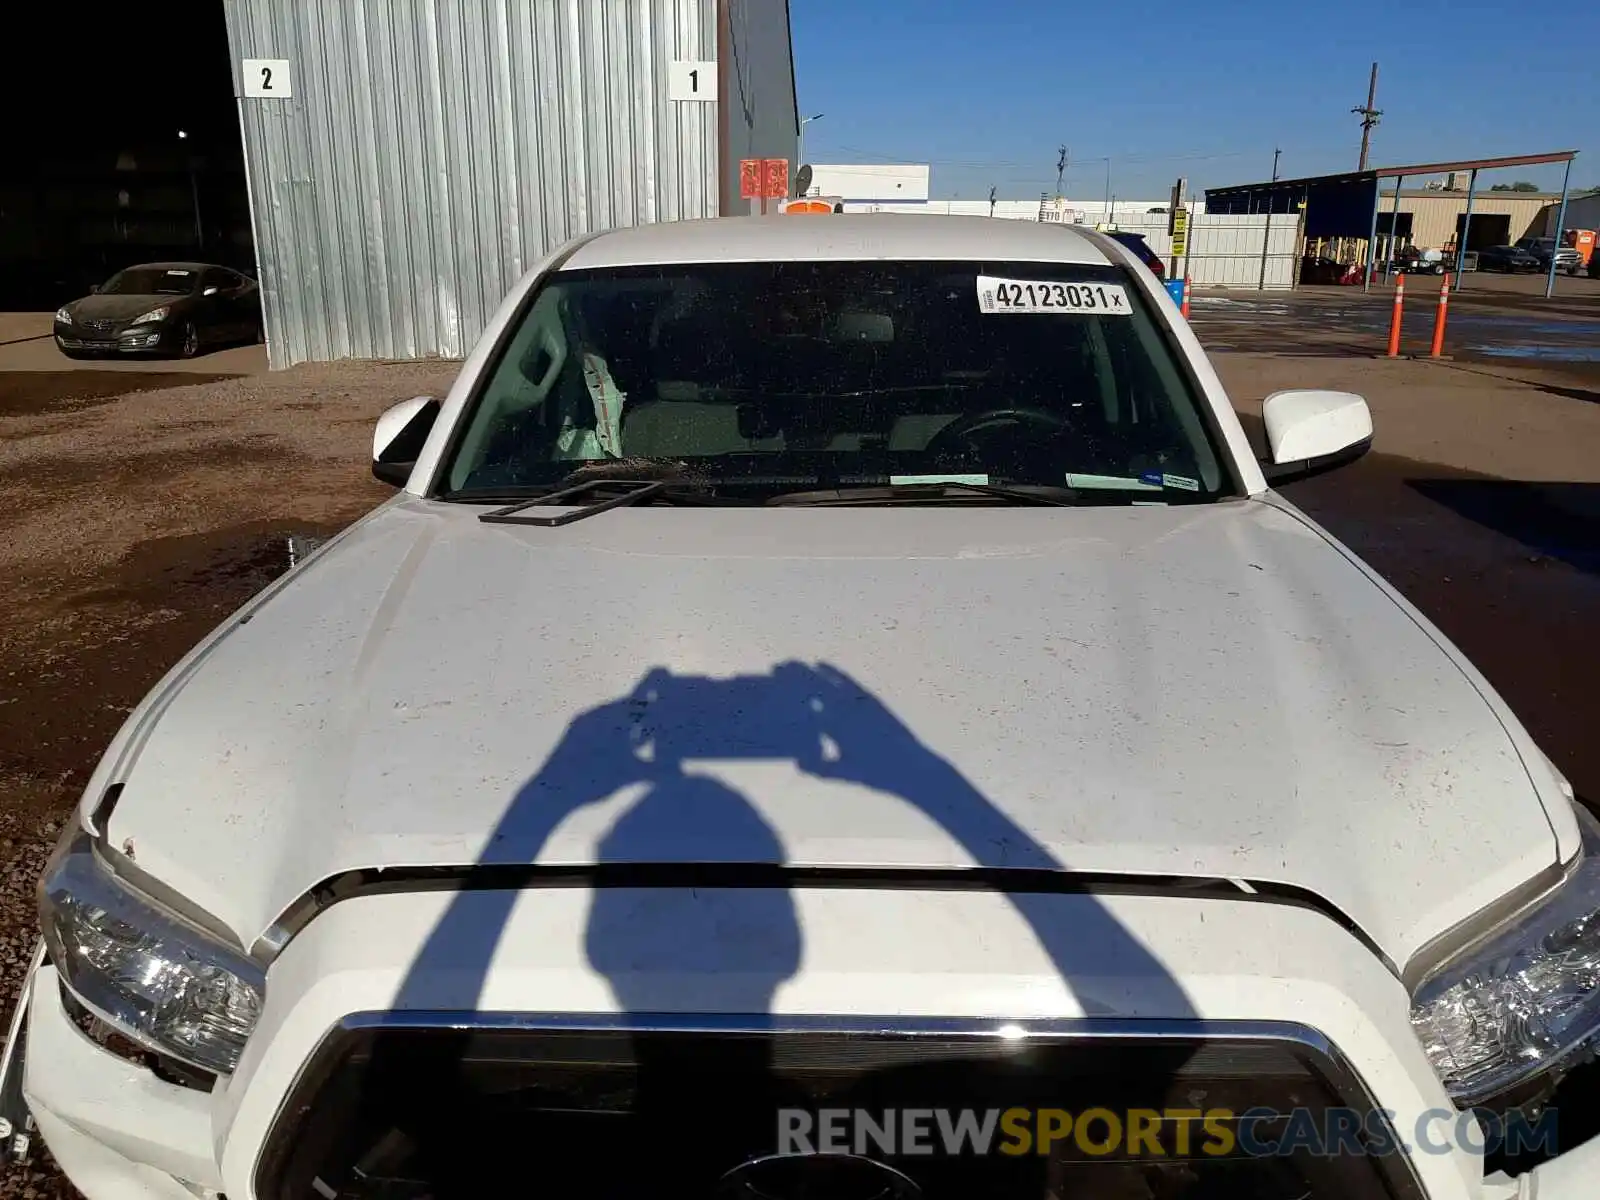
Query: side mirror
x,y
1309,432
401,433
94,289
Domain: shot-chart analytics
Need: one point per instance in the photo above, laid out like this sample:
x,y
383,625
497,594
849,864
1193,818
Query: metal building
x,y
408,161
1348,211
1583,212
1433,218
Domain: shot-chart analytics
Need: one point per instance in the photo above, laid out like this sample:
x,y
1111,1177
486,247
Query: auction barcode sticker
x,y
1043,296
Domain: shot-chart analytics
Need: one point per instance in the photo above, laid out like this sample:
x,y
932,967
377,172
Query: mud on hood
x,y
1211,691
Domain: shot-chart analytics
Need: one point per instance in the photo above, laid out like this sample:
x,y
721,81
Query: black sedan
x,y
161,308
1506,258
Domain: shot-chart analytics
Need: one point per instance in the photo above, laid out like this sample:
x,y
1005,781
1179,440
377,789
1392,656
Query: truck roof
x,y
839,237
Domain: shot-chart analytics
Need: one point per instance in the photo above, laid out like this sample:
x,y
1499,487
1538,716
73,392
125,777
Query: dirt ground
x,y
137,514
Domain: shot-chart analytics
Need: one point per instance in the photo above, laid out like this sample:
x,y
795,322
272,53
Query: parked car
x,y
1594,265
856,663
1507,259
1568,259
176,308
1141,248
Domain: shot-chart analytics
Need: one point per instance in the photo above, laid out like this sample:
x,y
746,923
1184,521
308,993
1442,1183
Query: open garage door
x,y
1487,229
123,147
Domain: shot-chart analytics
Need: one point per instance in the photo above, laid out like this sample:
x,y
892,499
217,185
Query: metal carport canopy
x,y
1341,204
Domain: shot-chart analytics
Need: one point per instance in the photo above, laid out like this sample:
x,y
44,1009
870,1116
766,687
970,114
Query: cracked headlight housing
x,y
152,973
1523,1001
155,314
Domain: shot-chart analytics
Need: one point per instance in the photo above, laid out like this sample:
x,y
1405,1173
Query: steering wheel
x,y
962,429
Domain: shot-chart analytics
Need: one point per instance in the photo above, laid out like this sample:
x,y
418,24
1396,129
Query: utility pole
x,y
1061,170
991,202
1275,155
1369,116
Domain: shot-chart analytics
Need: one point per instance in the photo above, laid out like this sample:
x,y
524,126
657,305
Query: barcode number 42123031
x,y
1033,295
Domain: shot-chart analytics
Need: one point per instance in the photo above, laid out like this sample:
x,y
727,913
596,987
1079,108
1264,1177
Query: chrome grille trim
x,y
1397,1171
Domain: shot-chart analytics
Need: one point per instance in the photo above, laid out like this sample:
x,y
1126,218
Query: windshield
x,y
775,377
150,281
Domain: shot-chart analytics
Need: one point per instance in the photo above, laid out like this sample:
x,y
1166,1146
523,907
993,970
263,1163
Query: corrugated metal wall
x,y
1583,212
1225,250
434,149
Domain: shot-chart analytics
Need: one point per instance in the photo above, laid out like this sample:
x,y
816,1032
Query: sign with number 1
x,y
692,80
750,178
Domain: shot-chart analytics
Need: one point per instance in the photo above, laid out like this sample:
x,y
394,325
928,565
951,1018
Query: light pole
x,y
800,150
194,193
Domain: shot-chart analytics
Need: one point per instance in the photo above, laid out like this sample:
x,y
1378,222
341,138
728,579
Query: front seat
x,y
678,418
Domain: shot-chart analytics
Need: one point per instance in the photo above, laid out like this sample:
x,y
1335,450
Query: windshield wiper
x,y
1029,493
628,491
639,481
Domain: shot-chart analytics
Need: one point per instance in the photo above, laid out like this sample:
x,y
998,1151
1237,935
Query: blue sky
x,y
987,91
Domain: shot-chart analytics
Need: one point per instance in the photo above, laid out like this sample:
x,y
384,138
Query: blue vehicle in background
x,y
1141,248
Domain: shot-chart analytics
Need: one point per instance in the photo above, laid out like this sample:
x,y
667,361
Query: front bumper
x,y
120,1133
116,1130
134,339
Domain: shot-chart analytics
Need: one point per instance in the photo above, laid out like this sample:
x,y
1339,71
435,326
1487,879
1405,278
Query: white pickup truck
x,y
833,708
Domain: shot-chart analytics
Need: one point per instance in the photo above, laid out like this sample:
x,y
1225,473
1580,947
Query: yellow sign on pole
x,y
1180,231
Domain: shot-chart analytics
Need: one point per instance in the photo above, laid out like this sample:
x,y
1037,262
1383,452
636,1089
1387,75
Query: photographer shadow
x,y
693,912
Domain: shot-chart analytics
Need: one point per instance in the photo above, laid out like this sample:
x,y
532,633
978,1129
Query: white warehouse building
x,y
904,187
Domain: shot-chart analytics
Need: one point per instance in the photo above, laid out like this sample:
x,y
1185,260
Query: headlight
x,y
63,315
147,970
155,314
1526,999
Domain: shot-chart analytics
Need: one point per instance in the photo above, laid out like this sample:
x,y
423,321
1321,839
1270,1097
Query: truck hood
x,y
1210,691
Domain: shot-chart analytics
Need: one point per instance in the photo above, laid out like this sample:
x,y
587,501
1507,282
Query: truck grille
x,y
411,1112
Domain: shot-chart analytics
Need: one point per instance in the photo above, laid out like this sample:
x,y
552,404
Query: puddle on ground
x,y
35,393
1584,354
224,567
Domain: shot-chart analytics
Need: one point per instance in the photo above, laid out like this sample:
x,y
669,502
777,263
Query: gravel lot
x,y
135,520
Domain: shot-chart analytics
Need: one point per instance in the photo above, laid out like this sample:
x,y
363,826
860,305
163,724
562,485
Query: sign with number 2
x,y
266,78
